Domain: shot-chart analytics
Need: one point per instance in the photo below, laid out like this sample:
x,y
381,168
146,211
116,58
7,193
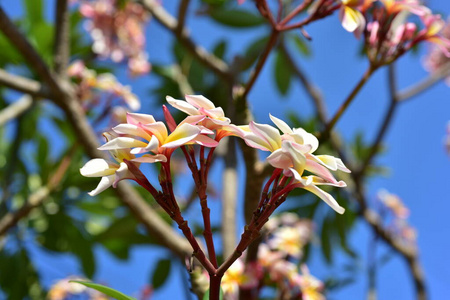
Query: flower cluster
x,y
276,262
91,87
387,28
64,289
118,32
398,214
437,57
144,140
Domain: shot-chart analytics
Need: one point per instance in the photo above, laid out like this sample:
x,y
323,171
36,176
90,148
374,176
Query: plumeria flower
x,y
288,240
143,134
434,25
292,152
198,105
436,58
110,171
118,33
394,203
351,17
310,286
412,6
238,276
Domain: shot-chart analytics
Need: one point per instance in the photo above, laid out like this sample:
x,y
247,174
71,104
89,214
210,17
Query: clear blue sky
x,y
419,166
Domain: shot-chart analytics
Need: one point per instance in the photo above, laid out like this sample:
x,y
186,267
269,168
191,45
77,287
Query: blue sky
x,y
416,158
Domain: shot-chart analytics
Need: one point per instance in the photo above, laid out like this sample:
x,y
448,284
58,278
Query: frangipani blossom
x,y
436,58
238,276
111,172
144,134
434,25
310,286
292,152
351,18
198,105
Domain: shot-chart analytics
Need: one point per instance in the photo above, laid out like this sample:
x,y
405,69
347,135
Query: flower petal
x,y
180,136
200,101
122,143
104,183
131,129
325,197
183,106
281,125
270,135
150,158
135,118
98,167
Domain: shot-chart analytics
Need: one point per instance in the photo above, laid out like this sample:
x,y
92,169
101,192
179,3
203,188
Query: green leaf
x,y
105,290
252,52
283,73
161,273
301,45
326,241
236,18
34,11
220,49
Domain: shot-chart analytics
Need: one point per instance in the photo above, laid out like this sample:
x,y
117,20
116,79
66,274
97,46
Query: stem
x,y
387,119
214,286
348,101
296,11
270,44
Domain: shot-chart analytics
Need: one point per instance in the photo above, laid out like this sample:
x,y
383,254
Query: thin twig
x,y
27,50
355,182
15,109
209,60
35,199
22,84
348,101
425,84
62,38
392,81
64,96
262,60
182,11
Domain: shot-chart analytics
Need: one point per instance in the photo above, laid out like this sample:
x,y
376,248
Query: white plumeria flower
x,y
292,152
146,135
110,171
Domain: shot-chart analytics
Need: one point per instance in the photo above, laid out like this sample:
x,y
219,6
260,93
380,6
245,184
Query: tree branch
x,y
64,97
214,63
62,38
425,84
15,109
229,199
35,199
28,52
355,182
23,84
392,81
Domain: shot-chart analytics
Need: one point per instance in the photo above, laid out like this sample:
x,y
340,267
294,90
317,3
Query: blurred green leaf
x,y
325,239
236,18
253,51
301,45
34,11
282,72
105,290
161,273
220,49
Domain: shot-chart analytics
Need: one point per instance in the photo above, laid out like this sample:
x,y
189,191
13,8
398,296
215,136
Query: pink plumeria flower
x,y
110,171
237,276
412,6
434,25
198,105
310,286
292,152
288,240
146,135
394,203
351,17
